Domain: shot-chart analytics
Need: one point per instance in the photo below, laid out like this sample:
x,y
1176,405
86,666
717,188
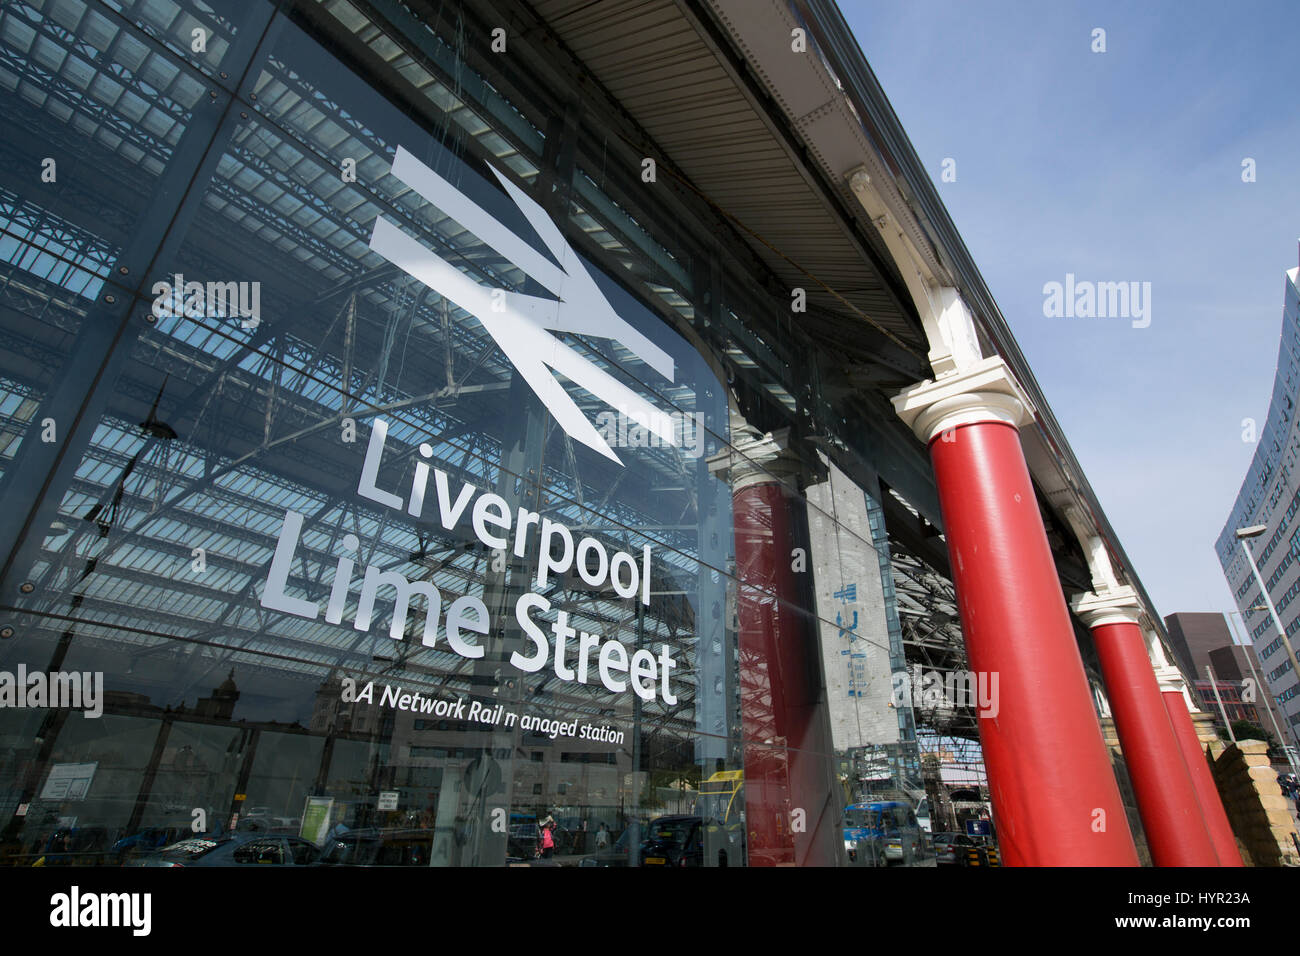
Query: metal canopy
x,y
746,143
675,75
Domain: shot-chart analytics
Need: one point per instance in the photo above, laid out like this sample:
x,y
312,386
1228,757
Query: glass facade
x,y
393,476
1270,496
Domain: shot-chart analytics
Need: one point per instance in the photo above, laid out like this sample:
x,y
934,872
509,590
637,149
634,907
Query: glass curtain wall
x,y
377,471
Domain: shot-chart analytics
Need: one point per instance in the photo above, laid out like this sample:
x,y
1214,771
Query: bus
x,y
718,801
882,833
721,807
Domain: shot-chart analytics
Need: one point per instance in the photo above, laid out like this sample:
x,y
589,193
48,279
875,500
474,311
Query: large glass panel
x,y
356,555
94,116
411,488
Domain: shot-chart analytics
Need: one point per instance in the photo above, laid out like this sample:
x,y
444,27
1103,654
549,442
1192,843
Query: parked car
x,y
946,846
379,847
958,849
905,847
240,849
147,841
676,841
75,846
619,853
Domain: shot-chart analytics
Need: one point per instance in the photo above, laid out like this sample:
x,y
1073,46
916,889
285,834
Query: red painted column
x,y
1167,800
786,760
1055,799
769,636
1216,820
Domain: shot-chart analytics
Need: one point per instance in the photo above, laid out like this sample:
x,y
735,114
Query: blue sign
x,y
978,828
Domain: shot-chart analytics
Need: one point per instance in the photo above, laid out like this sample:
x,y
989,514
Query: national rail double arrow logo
x,y
521,325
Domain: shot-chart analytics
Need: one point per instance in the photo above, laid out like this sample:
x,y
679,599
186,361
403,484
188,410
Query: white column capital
x,y
1118,605
1171,680
985,392
1168,676
755,458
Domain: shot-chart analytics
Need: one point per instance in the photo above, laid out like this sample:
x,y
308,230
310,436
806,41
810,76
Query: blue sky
x,y
1121,166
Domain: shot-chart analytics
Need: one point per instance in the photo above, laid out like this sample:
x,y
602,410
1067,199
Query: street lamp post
x,y
1249,649
1243,534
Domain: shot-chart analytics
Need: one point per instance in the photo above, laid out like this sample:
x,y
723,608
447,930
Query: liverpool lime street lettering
x,y
575,656
643,668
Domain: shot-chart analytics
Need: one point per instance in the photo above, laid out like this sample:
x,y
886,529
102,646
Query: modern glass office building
x,y
1270,496
420,420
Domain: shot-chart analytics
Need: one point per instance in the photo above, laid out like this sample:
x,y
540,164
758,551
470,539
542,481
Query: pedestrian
x,y
602,837
546,843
